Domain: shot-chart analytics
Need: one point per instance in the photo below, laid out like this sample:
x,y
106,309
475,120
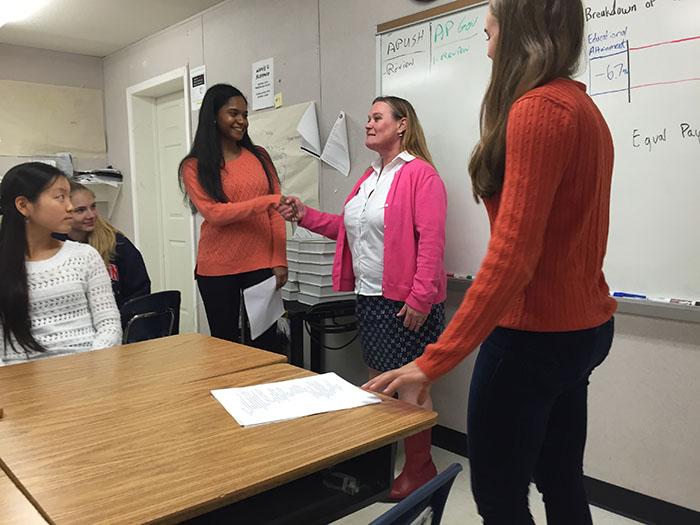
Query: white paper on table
x,y
308,131
283,400
263,304
336,151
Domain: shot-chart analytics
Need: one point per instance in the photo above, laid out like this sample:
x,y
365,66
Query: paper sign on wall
x,y
263,84
198,86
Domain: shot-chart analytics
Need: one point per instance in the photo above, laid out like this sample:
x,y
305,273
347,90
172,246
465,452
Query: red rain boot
x,y
418,469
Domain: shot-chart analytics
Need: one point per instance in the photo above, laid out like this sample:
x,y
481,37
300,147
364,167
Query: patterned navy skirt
x,y
386,343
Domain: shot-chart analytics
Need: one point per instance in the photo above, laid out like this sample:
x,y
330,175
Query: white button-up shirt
x,y
364,225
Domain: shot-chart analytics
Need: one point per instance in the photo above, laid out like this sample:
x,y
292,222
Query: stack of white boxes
x,y
310,259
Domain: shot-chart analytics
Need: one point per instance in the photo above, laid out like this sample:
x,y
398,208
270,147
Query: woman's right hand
x,y
291,209
409,375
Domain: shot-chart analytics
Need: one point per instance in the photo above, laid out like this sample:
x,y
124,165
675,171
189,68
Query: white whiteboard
x,y
642,68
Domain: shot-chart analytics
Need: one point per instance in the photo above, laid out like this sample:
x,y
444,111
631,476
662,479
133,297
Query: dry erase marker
x,y
628,295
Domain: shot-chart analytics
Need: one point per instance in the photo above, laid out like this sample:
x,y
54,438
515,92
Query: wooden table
x,y
165,362
15,508
132,434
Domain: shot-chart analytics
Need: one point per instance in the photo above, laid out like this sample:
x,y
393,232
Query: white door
x,y
176,219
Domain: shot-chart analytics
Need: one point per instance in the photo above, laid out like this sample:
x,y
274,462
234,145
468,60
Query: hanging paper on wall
x,y
308,131
198,86
263,84
336,151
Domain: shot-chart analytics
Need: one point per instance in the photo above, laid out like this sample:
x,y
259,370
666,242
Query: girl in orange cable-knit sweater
x,y
234,185
540,302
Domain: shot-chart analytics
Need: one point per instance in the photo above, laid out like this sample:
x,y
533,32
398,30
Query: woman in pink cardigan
x,y
393,219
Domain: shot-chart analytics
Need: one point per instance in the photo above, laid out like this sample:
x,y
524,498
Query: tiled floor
x,y
461,510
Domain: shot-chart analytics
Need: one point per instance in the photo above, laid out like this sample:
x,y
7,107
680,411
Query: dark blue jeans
x,y
527,419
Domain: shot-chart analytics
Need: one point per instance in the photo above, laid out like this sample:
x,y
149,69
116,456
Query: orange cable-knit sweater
x,y
549,228
244,234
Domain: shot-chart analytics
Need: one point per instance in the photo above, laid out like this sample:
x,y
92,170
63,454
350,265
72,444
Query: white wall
x,y
644,406
645,399
28,64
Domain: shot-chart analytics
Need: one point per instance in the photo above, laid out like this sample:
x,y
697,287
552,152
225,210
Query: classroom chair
x,y
424,505
151,316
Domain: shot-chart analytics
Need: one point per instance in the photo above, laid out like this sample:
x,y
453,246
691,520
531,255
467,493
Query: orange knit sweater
x,y
549,228
244,234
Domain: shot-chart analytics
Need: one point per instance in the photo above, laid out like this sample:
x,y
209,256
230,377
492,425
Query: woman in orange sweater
x,y
234,186
540,302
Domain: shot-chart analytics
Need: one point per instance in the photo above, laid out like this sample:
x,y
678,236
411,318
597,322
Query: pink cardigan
x,y
414,238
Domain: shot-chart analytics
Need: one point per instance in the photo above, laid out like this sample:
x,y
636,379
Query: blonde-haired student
x,y
122,259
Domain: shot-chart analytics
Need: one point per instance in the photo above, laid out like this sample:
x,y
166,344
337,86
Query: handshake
x,y
290,208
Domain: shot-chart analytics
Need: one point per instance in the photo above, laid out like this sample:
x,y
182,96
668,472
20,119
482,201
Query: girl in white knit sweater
x,y
55,297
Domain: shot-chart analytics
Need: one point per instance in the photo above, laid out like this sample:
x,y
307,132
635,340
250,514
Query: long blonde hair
x,y
539,40
413,139
104,237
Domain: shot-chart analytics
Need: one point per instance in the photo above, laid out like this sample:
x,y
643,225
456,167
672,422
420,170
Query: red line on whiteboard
x,y
664,43
666,82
